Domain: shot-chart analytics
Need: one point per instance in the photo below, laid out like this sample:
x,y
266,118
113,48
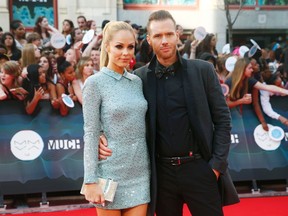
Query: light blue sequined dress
x,y
115,104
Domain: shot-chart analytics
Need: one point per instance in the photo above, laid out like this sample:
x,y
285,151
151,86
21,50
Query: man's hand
x,y
217,173
104,151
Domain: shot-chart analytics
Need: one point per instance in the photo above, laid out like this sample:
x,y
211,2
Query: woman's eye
x,y
119,46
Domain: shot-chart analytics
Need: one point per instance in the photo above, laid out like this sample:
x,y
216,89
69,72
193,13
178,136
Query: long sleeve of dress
x,y
266,105
92,126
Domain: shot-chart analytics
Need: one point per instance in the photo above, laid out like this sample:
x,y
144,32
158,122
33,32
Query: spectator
x,y
91,24
95,56
208,44
34,38
83,71
42,28
10,87
36,86
64,84
82,23
67,27
241,83
272,79
51,79
18,30
12,51
30,55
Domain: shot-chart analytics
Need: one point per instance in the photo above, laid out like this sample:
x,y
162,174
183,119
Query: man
x,y
188,128
82,23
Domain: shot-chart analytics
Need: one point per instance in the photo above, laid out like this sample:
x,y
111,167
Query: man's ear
x,y
148,39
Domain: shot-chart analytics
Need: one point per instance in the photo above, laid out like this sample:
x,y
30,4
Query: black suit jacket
x,y
209,116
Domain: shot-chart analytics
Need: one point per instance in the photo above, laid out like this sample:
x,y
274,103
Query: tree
x,y
231,22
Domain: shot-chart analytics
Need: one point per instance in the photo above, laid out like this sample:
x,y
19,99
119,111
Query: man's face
x,y
163,39
81,23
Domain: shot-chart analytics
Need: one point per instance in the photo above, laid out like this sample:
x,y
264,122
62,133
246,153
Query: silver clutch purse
x,y
108,187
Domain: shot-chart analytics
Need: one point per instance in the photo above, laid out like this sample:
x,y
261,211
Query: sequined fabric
x,y
115,104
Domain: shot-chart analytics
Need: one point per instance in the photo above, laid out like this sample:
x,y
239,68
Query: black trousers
x,y
193,183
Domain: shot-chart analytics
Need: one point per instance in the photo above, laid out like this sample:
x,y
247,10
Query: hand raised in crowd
x,y
38,93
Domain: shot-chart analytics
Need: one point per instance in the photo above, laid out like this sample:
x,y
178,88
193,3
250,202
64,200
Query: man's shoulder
x,y
142,71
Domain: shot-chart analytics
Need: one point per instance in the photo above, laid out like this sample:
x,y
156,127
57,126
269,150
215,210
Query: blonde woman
x,y
30,55
84,70
114,102
10,87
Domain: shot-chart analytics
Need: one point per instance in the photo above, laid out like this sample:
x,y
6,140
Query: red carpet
x,y
264,206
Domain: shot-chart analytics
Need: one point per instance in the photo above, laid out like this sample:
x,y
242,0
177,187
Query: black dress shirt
x,y
174,135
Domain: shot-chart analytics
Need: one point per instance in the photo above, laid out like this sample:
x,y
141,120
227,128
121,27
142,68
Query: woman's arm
x,y
246,99
62,107
271,88
31,105
77,90
257,109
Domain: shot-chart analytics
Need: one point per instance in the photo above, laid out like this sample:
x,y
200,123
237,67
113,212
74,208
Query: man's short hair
x,y
159,15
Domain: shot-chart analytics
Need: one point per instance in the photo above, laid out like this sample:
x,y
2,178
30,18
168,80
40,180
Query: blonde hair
x,y
80,66
12,68
109,31
239,85
28,55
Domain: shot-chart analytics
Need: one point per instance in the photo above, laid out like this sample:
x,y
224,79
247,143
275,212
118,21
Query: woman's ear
x,y
107,48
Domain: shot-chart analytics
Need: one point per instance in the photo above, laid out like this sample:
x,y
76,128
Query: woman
x,y
30,55
52,77
12,51
18,30
84,70
10,87
207,45
241,84
67,27
115,97
64,84
42,27
36,86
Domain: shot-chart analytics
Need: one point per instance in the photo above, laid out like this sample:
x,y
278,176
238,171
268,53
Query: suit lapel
x,y
151,98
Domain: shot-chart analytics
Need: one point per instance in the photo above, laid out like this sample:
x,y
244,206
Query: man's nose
x,y
164,39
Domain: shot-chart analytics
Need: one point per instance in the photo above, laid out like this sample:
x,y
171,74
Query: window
x,y
146,4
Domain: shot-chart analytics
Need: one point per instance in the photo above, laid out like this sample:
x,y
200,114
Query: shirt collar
x,y
116,75
153,62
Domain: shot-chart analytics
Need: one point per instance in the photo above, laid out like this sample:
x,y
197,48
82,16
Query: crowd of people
x,y
65,70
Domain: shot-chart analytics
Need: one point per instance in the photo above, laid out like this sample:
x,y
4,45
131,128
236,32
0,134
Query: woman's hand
x,y
246,99
94,194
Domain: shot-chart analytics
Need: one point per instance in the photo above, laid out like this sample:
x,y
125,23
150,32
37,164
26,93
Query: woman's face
x,y
6,79
120,50
8,41
78,35
213,41
69,74
44,63
66,26
93,26
88,68
37,51
44,23
42,75
95,56
20,31
70,56
248,70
